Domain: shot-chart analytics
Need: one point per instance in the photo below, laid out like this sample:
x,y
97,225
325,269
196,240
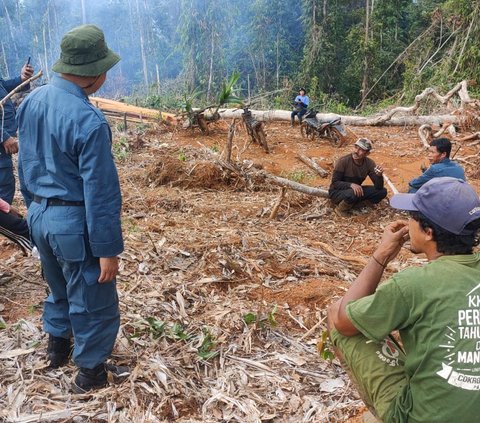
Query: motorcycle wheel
x,y
262,139
335,137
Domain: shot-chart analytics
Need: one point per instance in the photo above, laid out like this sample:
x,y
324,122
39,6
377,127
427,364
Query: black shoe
x,y
59,351
90,379
96,378
119,373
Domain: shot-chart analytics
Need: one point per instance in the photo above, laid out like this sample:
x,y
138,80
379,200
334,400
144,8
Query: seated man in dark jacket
x,y
350,171
441,165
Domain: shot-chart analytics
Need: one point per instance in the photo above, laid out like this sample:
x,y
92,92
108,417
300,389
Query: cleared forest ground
x,y
222,308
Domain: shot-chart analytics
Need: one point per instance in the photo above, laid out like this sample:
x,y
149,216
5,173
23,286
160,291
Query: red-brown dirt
x,y
185,226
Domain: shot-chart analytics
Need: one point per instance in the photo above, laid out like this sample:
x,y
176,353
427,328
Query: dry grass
x,y
201,255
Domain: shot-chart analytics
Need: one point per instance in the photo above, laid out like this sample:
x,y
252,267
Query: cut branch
x,y
19,88
276,207
228,148
311,163
277,180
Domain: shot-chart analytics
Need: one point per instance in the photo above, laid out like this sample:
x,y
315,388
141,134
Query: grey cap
x,y
364,144
449,202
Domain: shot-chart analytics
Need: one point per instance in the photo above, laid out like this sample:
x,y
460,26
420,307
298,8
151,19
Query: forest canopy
x,y
346,53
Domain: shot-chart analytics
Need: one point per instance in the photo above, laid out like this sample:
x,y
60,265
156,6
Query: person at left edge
x,y
70,183
8,125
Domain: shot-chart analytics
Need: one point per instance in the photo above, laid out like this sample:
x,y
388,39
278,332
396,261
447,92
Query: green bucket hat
x,y
85,52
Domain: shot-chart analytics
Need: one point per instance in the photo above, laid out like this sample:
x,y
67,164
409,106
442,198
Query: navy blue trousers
x,y
78,305
7,184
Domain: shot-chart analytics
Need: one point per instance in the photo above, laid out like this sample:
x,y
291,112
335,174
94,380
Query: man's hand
x,y
10,145
393,238
357,190
108,269
378,170
27,72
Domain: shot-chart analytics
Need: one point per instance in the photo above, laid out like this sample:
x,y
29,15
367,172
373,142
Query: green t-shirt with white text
x,y
436,309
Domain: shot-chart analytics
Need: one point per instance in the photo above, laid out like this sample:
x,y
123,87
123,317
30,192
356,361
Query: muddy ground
x,y
223,308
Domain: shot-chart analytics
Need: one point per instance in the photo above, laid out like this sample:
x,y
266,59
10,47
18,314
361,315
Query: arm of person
x,y
11,84
108,269
416,183
101,191
338,182
4,206
25,73
377,177
367,281
27,195
10,145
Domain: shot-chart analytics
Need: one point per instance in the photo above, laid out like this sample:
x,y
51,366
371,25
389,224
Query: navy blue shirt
x,y
65,153
7,121
446,167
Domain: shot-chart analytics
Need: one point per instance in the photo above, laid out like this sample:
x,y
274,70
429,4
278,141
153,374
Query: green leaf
x,y
271,317
157,327
178,332
206,349
249,318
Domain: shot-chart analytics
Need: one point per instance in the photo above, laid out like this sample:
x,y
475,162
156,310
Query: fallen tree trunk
x,y
277,180
284,115
387,118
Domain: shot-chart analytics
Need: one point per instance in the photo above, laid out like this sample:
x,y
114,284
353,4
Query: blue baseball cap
x,y
449,202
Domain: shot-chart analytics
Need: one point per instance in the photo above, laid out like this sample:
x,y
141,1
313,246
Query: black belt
x,y
58,202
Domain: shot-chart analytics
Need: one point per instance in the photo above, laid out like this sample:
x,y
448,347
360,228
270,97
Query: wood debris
x,y
222,307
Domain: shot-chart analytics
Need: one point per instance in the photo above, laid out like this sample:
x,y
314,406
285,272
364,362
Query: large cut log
x,y
284,115
396,116
142,113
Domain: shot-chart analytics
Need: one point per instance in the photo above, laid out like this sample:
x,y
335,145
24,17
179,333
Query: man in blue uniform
x,y
8,129
70,183
441,165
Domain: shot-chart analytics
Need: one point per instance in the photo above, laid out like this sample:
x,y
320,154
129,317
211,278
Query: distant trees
x,y
354,51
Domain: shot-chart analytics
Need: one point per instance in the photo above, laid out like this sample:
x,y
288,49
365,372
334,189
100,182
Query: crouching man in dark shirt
x,y
350,171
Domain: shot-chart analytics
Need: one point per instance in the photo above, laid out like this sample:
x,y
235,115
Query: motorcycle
x,y
334,130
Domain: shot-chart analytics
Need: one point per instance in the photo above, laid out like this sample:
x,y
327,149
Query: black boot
x,y
89,379
96,378
59,351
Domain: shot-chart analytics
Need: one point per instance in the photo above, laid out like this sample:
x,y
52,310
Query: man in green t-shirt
x,y
435,375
